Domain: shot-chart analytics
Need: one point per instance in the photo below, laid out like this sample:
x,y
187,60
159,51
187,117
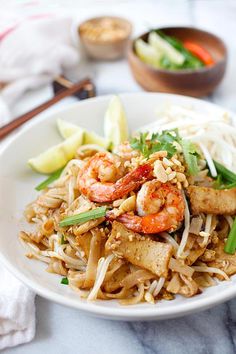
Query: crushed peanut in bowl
x,y
105,29
105,37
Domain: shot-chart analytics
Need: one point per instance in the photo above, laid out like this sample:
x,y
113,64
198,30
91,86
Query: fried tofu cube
x,y
139,250
212,201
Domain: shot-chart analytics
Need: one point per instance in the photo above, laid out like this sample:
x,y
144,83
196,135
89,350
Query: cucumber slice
x,y
147,53
164,48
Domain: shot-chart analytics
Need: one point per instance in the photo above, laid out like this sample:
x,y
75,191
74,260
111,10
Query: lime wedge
x,y
147,53
115,122
93,138
57,156
66,129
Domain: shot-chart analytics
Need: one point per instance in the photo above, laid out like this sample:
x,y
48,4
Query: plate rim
x,y
94,308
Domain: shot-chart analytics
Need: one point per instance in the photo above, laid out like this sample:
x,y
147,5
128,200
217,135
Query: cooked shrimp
x,y
160,208
101,178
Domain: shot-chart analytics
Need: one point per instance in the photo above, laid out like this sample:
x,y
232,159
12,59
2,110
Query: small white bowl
x,y
17,183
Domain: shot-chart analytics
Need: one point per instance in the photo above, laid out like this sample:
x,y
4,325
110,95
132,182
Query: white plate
x,y
17,184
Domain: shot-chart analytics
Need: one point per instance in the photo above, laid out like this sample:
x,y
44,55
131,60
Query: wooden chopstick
x,y
8,128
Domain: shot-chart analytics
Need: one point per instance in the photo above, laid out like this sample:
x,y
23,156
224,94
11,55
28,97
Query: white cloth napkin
x,y
17,311
33,51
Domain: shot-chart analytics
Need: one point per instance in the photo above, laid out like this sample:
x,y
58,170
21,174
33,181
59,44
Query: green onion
x,y
226,174
191,62
65,281
83,217
62,240
230,245
218,183
190,156
227,186
49,180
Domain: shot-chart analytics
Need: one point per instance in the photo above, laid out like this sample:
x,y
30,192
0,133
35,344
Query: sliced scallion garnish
x,y
226,174
62,240
230,245
49,180
65,281
83,217
228,186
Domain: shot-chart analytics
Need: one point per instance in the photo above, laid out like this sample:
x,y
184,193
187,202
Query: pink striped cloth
x,y
34,48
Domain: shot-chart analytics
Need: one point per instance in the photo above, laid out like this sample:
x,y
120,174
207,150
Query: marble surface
x,y
63,330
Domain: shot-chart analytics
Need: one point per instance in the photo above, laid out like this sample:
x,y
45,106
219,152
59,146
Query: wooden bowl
x,y
191,82
108,48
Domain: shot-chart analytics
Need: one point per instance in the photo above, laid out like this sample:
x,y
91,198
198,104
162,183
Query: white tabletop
x,y
64,330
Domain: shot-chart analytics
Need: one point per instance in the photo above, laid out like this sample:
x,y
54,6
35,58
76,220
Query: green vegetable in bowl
x,y
166,49
167,52
190,61
147,53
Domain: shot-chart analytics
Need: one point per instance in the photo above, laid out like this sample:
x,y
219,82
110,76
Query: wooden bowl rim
x,y
122,20
182,71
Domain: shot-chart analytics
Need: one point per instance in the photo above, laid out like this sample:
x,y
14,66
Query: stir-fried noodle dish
x,y
148,219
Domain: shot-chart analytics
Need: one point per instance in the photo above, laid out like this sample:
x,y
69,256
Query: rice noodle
x,y
72,262
82,293
79,253
56,266
73,162
211,270
204,280
185,235
135,299
71,186
176,266
116,265
123,293
103,265
29,247
94,255
46,253
170,240
135,278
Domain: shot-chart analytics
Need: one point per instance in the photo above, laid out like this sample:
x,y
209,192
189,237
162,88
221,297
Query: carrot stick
x,y
199,52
